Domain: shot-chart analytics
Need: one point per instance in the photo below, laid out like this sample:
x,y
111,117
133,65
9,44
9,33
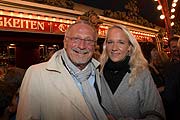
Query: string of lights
x,y
167,16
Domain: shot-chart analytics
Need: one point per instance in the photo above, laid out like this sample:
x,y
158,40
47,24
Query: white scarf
x,y
89,92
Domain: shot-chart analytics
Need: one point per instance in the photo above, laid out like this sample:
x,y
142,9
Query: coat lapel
x,y
63,81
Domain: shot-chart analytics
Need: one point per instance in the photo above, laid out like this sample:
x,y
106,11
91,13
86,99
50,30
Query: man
x,y
172,91
65,87
175,53
7,92
171,94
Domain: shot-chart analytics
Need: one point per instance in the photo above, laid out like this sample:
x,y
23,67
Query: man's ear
x,y
104,45
65,43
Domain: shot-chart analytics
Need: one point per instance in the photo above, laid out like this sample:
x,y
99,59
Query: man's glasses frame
x,y
77,40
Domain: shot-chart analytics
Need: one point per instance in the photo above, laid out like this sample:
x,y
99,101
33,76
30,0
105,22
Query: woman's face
x,y
154,54
117,45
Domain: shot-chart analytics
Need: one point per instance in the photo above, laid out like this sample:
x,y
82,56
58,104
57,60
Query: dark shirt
x,y
157,77
171,95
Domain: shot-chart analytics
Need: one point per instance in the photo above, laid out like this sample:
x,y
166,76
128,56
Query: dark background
x,y
148,8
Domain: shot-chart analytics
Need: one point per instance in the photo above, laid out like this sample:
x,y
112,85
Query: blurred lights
x,y
67,21
54,19
38,17
30,16
172,10
172,23
46,18
142,34
12,44
174,5
162,17
1,12
60,20
20,14
41,45
172,16
159,7
11,13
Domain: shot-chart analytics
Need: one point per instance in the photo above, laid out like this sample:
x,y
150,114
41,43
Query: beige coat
x,y
48,92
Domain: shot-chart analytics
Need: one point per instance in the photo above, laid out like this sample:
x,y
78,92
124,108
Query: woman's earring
x,y
128,53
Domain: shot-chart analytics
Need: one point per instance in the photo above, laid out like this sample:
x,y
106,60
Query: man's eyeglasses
x,y
77,40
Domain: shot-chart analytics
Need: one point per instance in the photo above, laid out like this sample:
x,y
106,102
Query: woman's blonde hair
x,y
137,61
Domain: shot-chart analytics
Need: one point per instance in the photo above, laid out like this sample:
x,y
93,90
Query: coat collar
x,y
71,91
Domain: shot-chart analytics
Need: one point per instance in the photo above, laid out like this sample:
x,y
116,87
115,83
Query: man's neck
x,y
81,66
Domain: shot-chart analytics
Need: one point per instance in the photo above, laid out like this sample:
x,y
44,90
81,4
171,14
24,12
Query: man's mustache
x,y
84,51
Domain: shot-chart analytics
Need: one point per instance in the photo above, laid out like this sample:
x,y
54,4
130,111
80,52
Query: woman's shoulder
x,y
144,73
143,76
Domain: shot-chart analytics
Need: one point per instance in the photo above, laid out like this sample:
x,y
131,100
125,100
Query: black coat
x,y
171,95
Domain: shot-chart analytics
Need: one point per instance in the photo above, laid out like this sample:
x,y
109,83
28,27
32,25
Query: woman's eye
x,y
121,42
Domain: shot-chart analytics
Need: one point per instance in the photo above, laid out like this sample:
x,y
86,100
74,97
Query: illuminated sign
x,y
31,25
59,27
102,31
44,26
21,24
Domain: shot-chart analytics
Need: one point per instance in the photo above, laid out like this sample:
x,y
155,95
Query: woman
x,y
127,88
157,61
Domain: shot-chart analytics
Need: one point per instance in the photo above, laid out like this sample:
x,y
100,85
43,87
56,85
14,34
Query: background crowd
x,y
137,80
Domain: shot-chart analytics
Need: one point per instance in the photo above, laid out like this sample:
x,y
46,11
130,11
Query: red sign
x,y
31,25
59,27
21,24
102,32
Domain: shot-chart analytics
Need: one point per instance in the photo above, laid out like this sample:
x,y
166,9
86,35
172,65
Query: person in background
x,y
7,91
97,53
14,75
66,86
128,91
157,61
175,53
178,44
1,73
50,52
171,94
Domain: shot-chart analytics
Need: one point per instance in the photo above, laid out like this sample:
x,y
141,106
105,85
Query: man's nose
x,y
82,44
